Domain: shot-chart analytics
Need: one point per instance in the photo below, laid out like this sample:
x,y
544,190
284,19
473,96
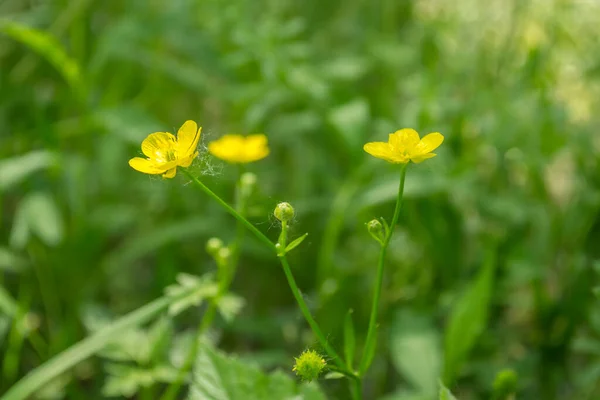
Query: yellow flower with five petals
x,y
240,149
166,152
405,145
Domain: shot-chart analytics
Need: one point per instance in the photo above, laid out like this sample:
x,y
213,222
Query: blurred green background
x,y
497,252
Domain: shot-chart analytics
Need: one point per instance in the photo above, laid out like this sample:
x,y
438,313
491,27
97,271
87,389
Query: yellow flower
x,y
240,149
166,152
404,146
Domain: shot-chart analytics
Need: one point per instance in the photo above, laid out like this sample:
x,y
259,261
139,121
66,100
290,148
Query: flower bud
x,y
248,179
309,365
284,212
224,254
376,230
213,245
247,183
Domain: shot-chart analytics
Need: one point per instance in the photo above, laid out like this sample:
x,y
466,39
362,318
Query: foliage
x,y
512,85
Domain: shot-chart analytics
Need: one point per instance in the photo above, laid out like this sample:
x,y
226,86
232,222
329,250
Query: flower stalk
x,y
372,330
279,250
265,240
302,304
227,274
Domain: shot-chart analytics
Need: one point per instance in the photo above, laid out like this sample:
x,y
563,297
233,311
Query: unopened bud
x,y
213,245
376,230
224,253
248,179
284,212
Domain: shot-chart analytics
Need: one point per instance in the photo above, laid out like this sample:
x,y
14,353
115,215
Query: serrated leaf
x,y
229,306
415,351
159,338
349,340
219,377
467,321
190,291
51,369
295,243
132,345
125,380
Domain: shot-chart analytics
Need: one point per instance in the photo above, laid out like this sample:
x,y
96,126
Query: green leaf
x,y
350,122
48,47
229,306
349,340
295,243
159,338
127,122
15,169
416,351
19,233
445,393
37,214
334,375
87,347
126,380
9,261
8,306
219,377
44,218
369,354
467,321
190,291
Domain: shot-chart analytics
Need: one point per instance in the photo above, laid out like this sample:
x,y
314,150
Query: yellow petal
x,y
187,138
255,148
422,157
404,140
228,148
160,146
170,173
146,166
430,142
384,151
186,162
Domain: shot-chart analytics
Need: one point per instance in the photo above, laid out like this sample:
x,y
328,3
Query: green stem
x,y
286,268
240,206
232,211
211,311
306,312
371,333
207,318
356,389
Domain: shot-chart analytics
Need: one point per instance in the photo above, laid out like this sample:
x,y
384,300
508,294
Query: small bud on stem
x,y
284,212
376,230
